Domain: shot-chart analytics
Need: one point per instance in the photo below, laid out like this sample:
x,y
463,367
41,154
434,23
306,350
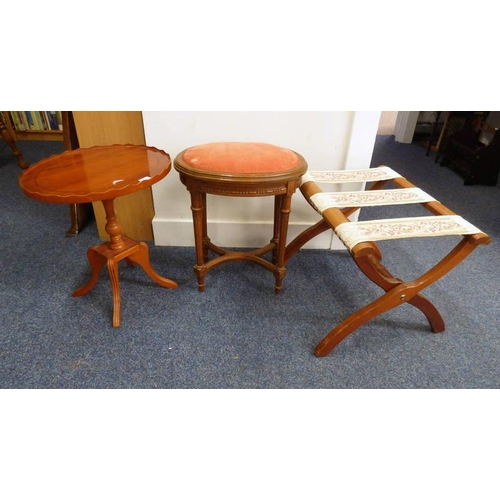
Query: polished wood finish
x,y
102,174
367,256
9,138
105,128
282,186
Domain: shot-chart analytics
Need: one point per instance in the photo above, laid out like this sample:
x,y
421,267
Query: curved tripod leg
x,y
115,287
96,261
141,257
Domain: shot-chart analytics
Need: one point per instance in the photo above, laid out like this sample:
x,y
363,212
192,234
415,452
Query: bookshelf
x,y
97,128
34,125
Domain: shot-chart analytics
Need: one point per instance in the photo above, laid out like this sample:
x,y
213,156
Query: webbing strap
x,y
352,233
324,201
381,173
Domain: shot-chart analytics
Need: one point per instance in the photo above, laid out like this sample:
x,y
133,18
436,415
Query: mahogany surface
x,y
247,182
102,173
95,174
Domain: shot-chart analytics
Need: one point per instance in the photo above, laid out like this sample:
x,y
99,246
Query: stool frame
x,y
282,186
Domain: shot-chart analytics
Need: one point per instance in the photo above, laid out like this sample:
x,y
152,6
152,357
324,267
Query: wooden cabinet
x,y
472,147
103,128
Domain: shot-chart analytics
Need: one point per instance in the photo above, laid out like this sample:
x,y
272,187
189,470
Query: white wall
x,y
405,126
329,140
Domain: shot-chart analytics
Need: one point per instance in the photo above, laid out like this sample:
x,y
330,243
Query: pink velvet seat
x,y
244,169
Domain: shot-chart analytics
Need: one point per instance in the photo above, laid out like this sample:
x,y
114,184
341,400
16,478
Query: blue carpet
x,y
238,333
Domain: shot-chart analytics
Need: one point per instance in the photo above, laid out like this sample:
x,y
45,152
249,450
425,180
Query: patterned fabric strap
x,y
352,233
381,173
324,201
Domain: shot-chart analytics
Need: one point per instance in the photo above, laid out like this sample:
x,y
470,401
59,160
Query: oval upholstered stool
x,y
247,170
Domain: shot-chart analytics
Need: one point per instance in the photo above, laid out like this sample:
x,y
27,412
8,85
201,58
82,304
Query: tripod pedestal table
x,y
102,173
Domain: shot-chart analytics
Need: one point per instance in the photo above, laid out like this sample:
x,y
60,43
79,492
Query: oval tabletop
x,y
95,174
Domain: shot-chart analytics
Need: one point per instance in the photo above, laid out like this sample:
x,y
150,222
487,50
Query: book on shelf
x,y
27,121
16,121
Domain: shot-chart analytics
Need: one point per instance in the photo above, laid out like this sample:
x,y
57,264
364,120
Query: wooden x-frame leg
x,y
397,293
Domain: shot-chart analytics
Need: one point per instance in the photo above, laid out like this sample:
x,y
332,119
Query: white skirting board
x,y
235,234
